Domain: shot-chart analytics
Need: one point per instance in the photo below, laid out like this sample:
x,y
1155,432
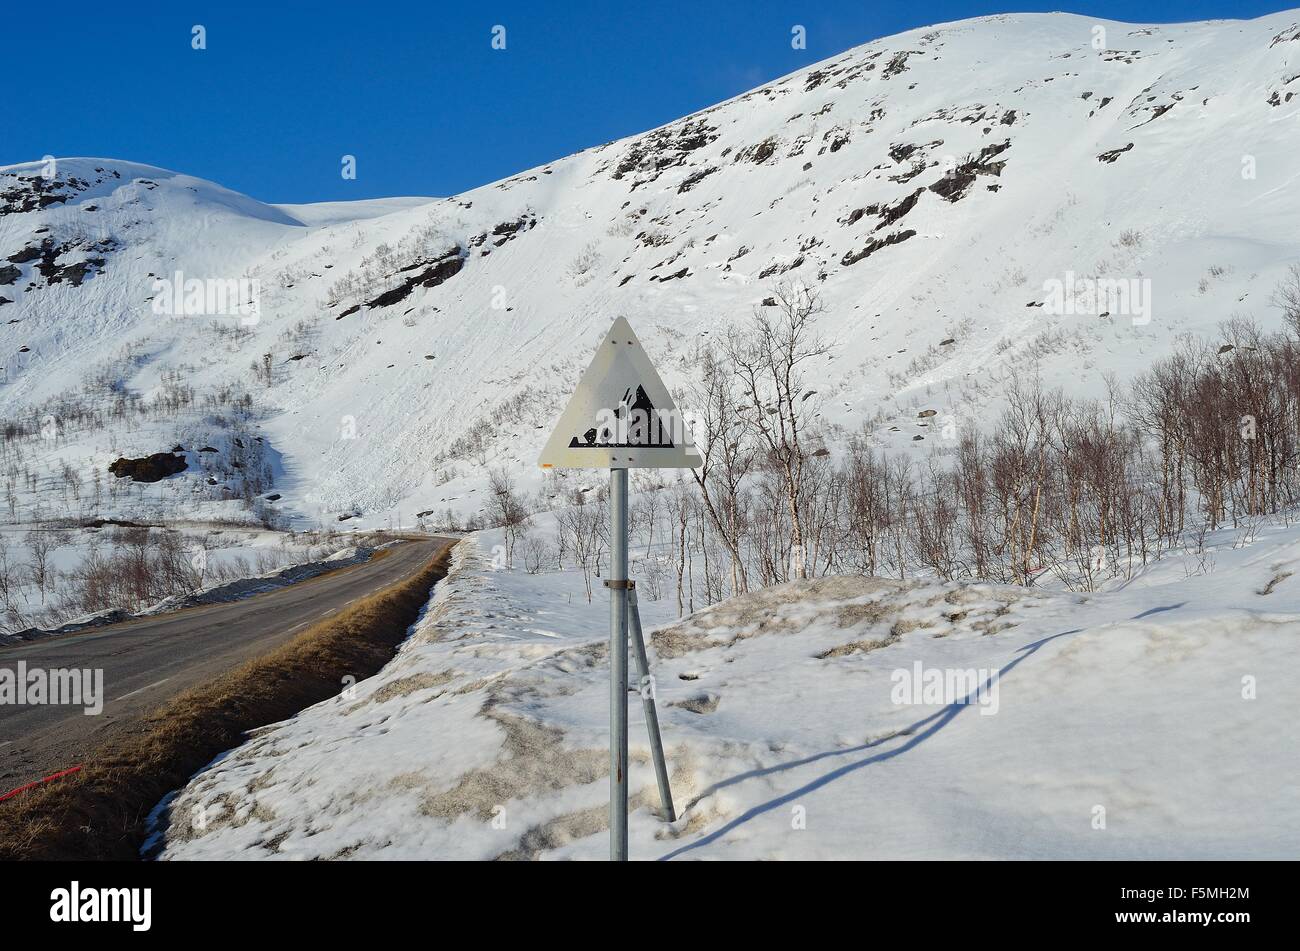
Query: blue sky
x,y
415,90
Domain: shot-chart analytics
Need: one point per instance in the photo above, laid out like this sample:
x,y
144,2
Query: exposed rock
x,y
758,154
891,213
149,468
693,179
1113,154
507,230
20,194
652,154
29,253
837,137
898,64
434,273
956,183
902,151
853,257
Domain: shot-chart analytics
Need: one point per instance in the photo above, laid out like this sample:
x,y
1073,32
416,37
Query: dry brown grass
x,y
100,812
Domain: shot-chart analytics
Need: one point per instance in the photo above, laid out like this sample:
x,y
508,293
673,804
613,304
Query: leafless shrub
x,y
536,553
507,510
581,527
1080,491
581,267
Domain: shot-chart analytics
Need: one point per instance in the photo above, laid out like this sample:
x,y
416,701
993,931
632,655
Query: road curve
x,y
149,660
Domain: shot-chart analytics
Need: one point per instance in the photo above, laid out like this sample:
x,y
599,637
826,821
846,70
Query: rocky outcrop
x,y
431,274
153,468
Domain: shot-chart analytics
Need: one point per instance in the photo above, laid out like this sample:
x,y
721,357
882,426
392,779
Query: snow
x,y
1164,703
321,213
366,419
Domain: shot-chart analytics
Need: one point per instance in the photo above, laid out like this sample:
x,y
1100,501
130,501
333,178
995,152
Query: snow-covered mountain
x,y
935,186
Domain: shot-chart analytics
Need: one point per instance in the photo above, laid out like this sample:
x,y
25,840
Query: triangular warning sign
x,y
621,416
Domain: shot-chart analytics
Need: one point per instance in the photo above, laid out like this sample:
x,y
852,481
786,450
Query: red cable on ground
x,y
44,779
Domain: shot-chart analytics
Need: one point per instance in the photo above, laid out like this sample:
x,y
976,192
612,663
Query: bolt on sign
x,y
621,415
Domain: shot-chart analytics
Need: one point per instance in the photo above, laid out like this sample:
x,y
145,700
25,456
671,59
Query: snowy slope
x,y
1148,722
929,184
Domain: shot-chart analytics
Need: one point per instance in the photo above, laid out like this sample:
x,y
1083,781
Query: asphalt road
x,y
147,661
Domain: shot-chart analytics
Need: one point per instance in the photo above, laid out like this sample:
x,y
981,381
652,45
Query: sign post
x,y
622,417
646,683
618,588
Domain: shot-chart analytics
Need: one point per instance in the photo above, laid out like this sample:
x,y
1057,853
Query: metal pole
x,y
646,682
618,665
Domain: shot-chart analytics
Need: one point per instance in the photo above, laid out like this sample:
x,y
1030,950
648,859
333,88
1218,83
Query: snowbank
x,y
1151,722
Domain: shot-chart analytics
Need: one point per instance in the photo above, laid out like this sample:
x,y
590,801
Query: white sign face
x,y
621,416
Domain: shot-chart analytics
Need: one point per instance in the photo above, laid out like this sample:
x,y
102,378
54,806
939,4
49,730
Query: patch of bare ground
x,y
849,603
560,831
699,703
425,680
534,761
856,647
780,609
1273,582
